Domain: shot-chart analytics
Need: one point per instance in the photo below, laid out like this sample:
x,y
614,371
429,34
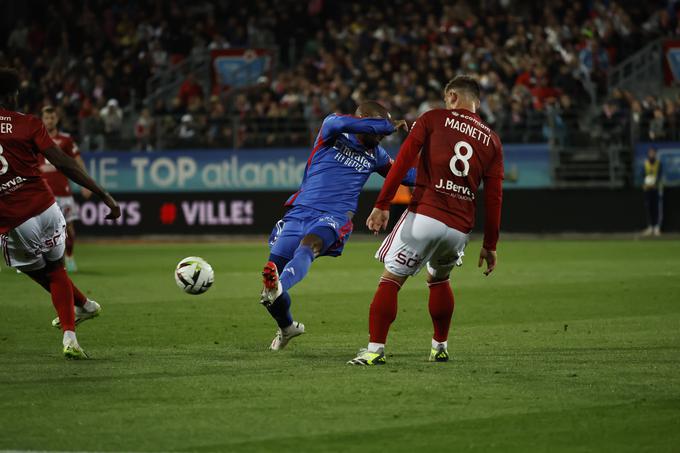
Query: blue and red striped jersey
x,y
340,165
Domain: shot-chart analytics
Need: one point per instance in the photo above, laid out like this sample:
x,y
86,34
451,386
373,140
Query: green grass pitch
x,y
569,346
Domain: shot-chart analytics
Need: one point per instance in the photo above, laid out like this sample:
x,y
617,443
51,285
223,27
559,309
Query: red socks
x,y
61,290
383,310
441,309
79,299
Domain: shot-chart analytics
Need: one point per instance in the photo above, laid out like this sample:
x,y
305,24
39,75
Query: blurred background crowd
x,y
541,64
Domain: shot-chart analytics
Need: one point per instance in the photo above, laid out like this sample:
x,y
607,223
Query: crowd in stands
x,y
540,64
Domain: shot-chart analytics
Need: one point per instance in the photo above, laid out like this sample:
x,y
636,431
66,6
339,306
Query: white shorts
x,y
69,208
417,240
39,239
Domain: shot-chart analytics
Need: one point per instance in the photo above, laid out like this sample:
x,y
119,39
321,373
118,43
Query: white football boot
x,y
283,336
90,310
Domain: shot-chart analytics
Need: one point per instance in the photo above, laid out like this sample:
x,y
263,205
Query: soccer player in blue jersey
x,y
319,221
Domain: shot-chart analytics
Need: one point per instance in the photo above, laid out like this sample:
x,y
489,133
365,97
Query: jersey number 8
x,y
464,158
4,165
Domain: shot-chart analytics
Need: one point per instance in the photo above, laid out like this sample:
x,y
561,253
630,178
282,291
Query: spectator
x,y
517,122
93,130
189,89
636,120
595,63
112,116
144,130
610,128
187,127
657,129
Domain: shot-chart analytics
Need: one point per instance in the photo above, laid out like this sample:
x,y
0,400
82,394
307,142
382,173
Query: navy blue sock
x,y
297,268
280,310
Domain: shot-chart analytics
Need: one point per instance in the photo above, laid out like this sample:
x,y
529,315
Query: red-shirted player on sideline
x,y
59,183
457,151
32,228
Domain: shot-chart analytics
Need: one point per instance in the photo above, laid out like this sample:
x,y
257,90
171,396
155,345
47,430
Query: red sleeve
x,y
493,197
41,138
495,168
408,153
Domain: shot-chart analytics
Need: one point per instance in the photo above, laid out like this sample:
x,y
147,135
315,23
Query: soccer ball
x,y
194,275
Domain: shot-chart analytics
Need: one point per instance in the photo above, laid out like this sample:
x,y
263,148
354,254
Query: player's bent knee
x,y
399,279
314,242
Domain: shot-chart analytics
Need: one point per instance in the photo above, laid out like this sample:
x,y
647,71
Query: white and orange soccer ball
x,y
194,275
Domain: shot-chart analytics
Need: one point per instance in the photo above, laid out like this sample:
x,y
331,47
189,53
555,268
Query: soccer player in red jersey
x,y
32,228
457,151
59,183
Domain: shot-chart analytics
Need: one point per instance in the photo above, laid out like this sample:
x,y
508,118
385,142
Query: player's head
x,y
371,109
49,117
462,92
9,88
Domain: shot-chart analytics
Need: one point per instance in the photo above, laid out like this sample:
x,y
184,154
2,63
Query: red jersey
x,y
57,181
457,151
23,191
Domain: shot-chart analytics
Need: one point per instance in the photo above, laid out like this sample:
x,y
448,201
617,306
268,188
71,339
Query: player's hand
x,y
86,193
491,259
377,220
400,124
113,206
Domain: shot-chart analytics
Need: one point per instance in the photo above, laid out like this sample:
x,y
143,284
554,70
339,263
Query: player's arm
x,y
77,174
408,155
338,124
493,201
84,191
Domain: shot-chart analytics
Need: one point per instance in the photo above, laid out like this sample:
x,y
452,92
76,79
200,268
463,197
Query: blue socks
x,y
297,268
280,310
290,273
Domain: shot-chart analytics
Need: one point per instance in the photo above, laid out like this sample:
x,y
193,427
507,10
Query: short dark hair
x,y
48,109
372,109
465,83
9,82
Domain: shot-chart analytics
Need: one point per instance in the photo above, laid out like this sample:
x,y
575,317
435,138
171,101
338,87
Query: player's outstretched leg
x,y
312,245
440,305
382,314
279,309
61,290
85,308
275,292
297,268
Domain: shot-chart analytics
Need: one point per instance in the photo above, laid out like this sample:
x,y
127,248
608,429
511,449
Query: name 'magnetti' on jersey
x,y
340,165
23,191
